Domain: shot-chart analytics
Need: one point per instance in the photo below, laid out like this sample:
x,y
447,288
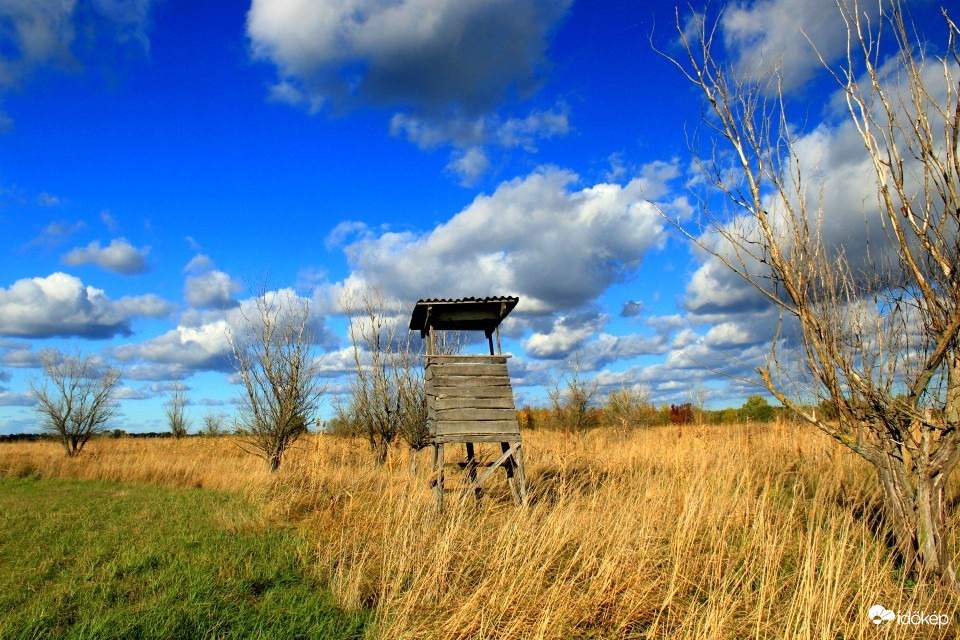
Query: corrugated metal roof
x,y
487,299
469,314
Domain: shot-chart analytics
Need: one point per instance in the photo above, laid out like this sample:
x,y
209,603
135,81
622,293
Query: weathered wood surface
x,y
461,315
485,369
505,401
479,358
477,437
469,392
476,482
459,361
509,466
470,381
475,426
448,415
471,470
463,465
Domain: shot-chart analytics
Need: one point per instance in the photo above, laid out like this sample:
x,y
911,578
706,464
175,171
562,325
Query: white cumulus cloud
x,y
60,305
469,165
119,256
12,399
200,342
189,348
36,32
768,34
473,137
540,236
567,335
423,54
211,290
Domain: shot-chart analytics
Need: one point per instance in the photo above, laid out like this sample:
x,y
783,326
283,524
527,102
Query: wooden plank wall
x,y
469,395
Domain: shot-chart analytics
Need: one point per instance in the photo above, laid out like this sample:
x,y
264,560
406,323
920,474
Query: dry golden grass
x,y
194,462
733,532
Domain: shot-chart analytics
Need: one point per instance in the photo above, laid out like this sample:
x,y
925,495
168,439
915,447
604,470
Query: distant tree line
x,y
111,433
624,410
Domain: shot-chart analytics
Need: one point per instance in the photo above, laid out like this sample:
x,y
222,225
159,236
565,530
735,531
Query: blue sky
x,y
159,159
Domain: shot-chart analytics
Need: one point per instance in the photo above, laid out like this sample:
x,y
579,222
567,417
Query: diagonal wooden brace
x,y
493,467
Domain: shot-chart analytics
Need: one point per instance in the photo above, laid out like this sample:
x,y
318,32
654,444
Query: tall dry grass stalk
x,y
739,532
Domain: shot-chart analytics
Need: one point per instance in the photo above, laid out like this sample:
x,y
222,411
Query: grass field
x,y
751,531
94,559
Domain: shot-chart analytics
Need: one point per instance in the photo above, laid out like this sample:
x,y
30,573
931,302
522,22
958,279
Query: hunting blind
x,y
469,397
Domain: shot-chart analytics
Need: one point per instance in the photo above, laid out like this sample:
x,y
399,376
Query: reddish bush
x,y
681,413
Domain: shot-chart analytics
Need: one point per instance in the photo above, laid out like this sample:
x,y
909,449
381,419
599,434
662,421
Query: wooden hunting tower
x,y
469,397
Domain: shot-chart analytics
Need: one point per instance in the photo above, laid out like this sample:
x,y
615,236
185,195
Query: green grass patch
x,y
84,559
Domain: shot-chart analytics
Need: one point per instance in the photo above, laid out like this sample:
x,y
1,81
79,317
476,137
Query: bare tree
x,y
572,398
876,337
698,398
75,400
274,358
387,389
628,408
175,410
408,366
212,424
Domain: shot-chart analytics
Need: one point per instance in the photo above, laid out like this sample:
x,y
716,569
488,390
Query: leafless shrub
x,y
628,408
273,357
212,424
387,389
698,395
175,410
75,400
572,398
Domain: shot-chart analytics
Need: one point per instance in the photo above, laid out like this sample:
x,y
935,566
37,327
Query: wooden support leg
x,y
521,475
438,470
509,466
471,470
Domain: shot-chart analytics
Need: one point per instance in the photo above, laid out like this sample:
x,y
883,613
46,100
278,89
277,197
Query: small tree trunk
x,y
413,461
931,521
381,450
273,461
918,519
73,445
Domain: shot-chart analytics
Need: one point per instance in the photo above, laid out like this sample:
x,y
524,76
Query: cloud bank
x,y
421,54
119,256
542,237
59,305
